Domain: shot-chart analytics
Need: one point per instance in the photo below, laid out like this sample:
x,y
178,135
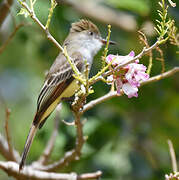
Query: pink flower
x,y
129,77
117,60
129,90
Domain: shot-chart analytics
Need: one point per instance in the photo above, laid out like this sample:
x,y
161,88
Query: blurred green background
x,y
127,138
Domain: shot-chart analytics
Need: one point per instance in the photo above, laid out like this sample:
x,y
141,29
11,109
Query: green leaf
x,y
157,30
24,12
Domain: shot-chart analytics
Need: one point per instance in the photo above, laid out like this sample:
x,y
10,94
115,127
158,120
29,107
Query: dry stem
x,y
112,94
173,156
10,37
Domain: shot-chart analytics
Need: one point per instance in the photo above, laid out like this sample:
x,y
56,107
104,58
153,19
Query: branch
x,y
43,28
4,9
142,53
161,76
112,94
10,37
70,155
49,36
10,149
4,151
12,169
173,156
103,14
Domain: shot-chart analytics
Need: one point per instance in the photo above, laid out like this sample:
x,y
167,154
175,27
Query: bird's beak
x,y
104,41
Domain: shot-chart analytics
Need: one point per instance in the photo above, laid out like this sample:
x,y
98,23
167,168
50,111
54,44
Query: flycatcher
x,y
82,43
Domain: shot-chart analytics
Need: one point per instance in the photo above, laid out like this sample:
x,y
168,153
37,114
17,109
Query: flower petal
x,y
130,91
110,79
132,54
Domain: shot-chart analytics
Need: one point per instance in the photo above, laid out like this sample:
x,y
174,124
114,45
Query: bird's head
x,y
87,35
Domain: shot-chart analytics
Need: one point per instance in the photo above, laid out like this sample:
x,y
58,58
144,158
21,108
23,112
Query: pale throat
x,y
89,50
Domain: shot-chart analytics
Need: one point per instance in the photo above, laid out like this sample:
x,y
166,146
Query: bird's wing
x,y
56,81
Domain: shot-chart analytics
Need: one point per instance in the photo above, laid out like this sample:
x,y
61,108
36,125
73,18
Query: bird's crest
x,y
84,25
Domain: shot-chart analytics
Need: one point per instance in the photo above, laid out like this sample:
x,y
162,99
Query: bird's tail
x,y
28,143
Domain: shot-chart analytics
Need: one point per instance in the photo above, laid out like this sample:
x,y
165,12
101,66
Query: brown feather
x,y
28,143
58,79
84,25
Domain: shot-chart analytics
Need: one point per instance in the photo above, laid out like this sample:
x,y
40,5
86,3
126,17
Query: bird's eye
x,y
91,33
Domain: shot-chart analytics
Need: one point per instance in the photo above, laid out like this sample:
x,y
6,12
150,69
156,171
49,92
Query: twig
x,y
70,155
161,76
76,152
4,151
10,149
95,175
50,144
106,97
105,52
142,53
112,94
10,37
53,5
36,20
144,40
161,59
51,38
173,156
12,169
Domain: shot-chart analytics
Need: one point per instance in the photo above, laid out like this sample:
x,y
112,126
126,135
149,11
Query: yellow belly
x,y
68,92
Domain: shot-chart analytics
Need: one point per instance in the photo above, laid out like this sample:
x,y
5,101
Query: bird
x,y
82,44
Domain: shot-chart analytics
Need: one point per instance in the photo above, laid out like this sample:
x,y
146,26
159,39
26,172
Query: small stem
x,y
36,20
10,148
73,66
150,65
173,156
91,80
4,45
112,94
53,5
106,48
31,6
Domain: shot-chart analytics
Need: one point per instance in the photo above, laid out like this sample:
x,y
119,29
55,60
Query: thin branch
x,y
36,20
105,52
161,59
112,94
70,155
162,76
12,169
50,144
53,5
144,40
93,103
142,53
51,38
10,149
74,154
173,156
95,175
4,151
10,37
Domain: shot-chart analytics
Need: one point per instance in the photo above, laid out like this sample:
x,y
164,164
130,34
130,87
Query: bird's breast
x,y
87,55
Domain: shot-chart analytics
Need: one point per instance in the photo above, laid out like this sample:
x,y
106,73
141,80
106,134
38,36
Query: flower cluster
x,y
129,77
